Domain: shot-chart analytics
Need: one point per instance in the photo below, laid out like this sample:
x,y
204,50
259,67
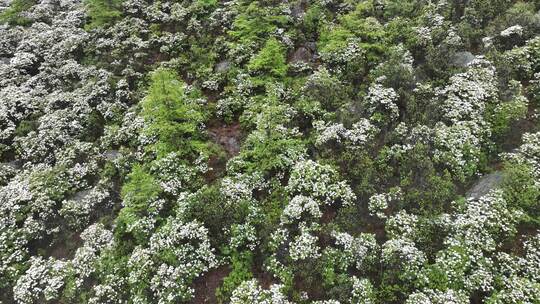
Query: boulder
x,y
462,59
485,184
302,54
223,66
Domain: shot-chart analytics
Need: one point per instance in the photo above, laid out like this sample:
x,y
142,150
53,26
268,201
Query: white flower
x,y
249,292
304,246
382,100
513,30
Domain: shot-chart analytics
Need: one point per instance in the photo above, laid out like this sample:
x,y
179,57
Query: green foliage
x,y
102,12
53,183
207,206
480,12
138,193
242,262
207,3
26,126
327,90
504,114
402,8
354,45
270,154
520,190
222,79
270,59
140,189
312,21
355,25
172,117
255,23
436,277
13,16
94,126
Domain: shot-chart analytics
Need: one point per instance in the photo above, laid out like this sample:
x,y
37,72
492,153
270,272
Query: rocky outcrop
x,y
485,184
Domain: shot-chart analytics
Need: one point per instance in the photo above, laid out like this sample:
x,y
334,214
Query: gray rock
x,y
233,146
227,137
15,165
112,154
299,10
223,66
302,54
312,46
485,184
462,59
80,196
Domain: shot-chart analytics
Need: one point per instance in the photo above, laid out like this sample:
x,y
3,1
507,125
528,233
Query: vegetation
x,y
279,152
13,14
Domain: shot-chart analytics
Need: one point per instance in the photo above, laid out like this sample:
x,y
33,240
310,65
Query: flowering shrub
x,y
43,280
381,104
251,292
178,253
356,137
362,292
378,203
358,251
319,182
269,151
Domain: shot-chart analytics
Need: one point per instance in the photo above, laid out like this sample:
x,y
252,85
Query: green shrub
x,y
270,59
504,114
12,15
140,190
102,12
172,117
26,126
242,262
255,24
520,190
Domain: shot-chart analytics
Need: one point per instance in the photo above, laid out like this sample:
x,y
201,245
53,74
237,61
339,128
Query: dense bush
x,y
306,151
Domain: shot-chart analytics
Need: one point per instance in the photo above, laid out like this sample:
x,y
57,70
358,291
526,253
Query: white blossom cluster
x,y
46,278
524,59
519,275
313,187
50,114
173,175
382,101
480,220
338,60
362,292
319,182
437,297
240,188
78,209
178,253
404,253
249,292
475,232
463,131
402,224
244,235
379,203
304,245
43,280
357,251
96,240
359,135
